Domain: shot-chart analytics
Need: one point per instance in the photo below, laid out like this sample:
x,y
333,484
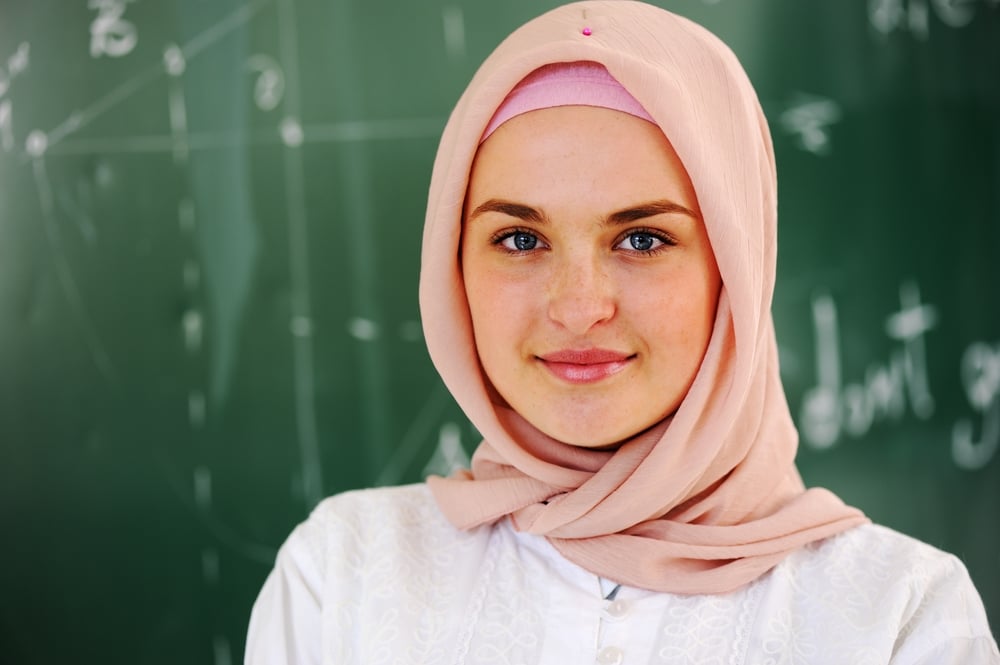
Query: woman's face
x,y
590,278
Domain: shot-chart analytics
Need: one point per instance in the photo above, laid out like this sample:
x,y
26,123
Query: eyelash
x,y
497,239
666,239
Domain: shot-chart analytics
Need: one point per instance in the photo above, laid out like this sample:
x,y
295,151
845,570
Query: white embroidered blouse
x,y
379,576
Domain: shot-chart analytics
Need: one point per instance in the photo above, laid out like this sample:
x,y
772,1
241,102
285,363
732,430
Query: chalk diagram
x,y
277,90
115,31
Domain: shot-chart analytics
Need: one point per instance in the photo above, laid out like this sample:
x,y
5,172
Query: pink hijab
x,y
709,499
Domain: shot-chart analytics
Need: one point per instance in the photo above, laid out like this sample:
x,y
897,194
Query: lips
x,y
585,365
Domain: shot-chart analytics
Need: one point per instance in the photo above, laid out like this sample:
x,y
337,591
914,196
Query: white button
x,y
610,656
616,609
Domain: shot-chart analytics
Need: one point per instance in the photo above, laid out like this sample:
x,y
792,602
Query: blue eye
x,y
642,242
520,241
645,242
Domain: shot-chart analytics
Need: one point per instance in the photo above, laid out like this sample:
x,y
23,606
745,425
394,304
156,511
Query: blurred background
x,y
210,213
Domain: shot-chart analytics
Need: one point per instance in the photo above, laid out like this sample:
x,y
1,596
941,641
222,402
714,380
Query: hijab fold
x,y
709,499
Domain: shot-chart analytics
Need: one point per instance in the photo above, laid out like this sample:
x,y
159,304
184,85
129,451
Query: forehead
x,y
588,153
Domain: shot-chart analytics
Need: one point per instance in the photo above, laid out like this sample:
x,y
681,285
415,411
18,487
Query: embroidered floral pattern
x,y
396,584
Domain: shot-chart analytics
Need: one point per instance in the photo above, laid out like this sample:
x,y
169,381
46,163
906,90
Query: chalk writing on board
x,y
37,143
109,101
981,381
888,16
196,409
449,455
417,433
831,408
193,330
63,270
175,63
6,126
363,329
110,33
76,207
16,65
222,650
303,366
809,118
269,87
173,60
453,20
291,131
210,565
203,488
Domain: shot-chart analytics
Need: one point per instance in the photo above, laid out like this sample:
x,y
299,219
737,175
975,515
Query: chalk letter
x,y
909,325
821,405
981,378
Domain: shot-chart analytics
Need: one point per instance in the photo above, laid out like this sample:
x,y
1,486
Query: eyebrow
x,y
650,209
520,211
617,218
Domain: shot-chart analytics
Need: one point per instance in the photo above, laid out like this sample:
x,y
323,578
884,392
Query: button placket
x,y
616,610
613,611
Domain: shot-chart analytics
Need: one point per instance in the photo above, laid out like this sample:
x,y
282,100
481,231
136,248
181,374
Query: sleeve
x,y
285,623
947,622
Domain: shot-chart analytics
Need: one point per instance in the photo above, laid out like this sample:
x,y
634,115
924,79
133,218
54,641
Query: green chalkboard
x,y
210,216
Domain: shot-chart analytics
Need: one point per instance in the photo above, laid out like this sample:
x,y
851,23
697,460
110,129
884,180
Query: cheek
x,y
477,297
494,288
489,300
681,319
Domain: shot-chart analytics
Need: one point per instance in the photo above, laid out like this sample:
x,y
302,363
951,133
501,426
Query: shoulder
x,y
873,588
398,506
879,559
880,553
362,514
390,564
377,557
353,529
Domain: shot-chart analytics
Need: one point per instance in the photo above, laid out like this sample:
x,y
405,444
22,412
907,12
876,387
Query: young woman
x,y
597,270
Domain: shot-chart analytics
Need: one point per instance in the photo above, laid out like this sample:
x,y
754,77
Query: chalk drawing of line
x,y
65,275
339,132
416,435
196,497
190,49
303,357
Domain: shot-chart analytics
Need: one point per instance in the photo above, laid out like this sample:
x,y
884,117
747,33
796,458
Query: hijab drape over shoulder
x,y
709,499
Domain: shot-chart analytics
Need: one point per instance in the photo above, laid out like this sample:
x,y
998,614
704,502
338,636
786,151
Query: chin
x,y
594,433
592,445
586,438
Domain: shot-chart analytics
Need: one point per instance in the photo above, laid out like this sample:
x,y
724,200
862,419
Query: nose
x,y
581,294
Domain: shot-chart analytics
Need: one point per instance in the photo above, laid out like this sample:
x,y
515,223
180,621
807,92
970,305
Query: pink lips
x,y
585,365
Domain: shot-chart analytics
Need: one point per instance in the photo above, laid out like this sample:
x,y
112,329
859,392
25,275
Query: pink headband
x,y
566,84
